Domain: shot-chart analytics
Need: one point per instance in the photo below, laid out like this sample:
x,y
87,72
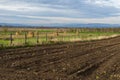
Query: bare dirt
x,y
91,60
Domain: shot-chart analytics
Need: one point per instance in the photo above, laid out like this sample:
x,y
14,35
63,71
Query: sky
x,y
38,12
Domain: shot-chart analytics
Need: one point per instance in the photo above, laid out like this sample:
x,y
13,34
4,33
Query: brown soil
x,y
92,60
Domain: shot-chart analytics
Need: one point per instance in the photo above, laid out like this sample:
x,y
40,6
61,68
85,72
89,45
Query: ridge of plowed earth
x,y
90,60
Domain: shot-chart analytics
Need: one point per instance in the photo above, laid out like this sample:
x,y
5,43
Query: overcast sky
x,y
59,11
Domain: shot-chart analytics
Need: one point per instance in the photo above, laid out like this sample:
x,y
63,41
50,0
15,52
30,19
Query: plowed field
x,y
91,60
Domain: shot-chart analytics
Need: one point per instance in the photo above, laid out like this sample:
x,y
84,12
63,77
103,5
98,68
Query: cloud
x,y
24,7
50,20
60,11
36,9
102,3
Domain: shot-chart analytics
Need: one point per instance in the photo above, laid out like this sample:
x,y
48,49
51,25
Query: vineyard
x,y
11,37
87,60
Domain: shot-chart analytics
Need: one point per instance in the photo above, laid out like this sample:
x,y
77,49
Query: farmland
x,y
59,53
87,60
32,36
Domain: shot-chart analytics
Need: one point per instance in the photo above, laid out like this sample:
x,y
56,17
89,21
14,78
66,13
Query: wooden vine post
x,y
25,38
11,39
46,37
37,37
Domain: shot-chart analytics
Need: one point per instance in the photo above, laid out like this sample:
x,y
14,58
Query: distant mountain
x,y
90,25
13,25
96,25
